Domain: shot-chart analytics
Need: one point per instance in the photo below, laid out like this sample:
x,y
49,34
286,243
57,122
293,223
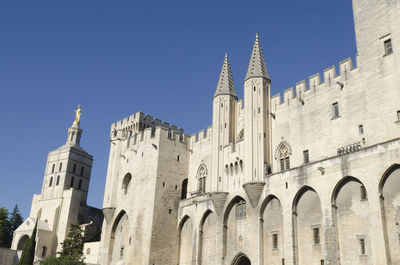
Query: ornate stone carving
x,y
218,199
253,190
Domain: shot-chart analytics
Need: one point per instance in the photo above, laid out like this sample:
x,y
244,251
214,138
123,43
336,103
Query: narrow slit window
x,y
362,246
82,170
275,241
80,184
72,182
52,170
306,157
51,182
335,110
360,129
388,46
316,235
398,115
58,180
74,169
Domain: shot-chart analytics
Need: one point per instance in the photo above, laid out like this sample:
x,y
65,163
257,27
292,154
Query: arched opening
x,y
207,239
271,224
22,241
241,260
350,210
44,251
235,226
307,221
125,182
185,241
184,189
390,208
119,238
201,179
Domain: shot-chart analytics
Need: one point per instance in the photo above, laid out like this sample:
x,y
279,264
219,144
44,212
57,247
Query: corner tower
x,y
224,122
257,133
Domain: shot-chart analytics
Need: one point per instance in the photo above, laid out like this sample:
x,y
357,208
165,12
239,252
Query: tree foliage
x,y
8,224
72,249
28,254
5,240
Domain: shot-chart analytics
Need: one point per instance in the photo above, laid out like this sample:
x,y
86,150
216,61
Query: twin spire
x,y
225,82
256,68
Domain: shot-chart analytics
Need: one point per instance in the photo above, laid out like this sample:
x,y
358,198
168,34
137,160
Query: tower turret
x,y
224,121
257,134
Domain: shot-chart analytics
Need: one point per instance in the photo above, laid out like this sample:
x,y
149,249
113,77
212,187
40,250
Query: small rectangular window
x,y
121,254
316,235
362,246
241,210
335,110
360,129
306,157
275,241
388,46
398,115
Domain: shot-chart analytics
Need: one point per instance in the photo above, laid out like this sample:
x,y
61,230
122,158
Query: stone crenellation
x,y
316,84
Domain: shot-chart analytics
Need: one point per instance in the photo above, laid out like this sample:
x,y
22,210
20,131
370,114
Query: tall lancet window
x,y
283,156
201,178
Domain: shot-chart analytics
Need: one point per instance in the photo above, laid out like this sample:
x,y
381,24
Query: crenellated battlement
x,y
315,84
141,125
200,137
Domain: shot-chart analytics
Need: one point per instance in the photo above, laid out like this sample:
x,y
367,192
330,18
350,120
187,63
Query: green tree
x,y
15,220
5,240
28,254
72,249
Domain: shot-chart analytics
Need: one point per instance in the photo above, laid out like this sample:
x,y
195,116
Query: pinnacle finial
x,y
257,66
225,82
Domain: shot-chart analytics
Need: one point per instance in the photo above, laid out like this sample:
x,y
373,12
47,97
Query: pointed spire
x,y
225,83
257,66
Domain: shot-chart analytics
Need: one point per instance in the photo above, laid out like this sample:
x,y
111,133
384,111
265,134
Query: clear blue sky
x,y
160,57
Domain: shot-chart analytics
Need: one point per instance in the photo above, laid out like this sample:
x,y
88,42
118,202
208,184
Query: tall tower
x,y
257,133
224,122
62,200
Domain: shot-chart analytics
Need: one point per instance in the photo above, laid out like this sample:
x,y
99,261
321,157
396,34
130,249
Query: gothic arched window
x,y
125,182
201,178
283,155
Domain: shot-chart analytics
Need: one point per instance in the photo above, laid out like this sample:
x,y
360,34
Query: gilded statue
x,y
77,116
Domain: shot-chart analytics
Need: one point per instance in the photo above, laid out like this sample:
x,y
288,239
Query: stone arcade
x,y
310,177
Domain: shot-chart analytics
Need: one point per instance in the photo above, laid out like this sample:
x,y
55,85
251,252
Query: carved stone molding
x,y
108,213
218,199
253,190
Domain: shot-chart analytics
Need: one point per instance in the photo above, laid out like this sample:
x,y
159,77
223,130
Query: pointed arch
x,y
349,196
22,241
185,233
201,176
265,202
241,259
390,211
120,221
340,185
207,238
386,175
307,220
235,200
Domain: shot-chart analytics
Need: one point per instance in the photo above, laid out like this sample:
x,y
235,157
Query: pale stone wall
x,y
8,256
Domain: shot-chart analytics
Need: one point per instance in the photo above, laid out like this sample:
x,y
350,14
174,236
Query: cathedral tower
x,y
224,122
62,200
257,119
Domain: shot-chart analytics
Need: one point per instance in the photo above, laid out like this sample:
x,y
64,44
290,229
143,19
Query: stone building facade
x,y
308,177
